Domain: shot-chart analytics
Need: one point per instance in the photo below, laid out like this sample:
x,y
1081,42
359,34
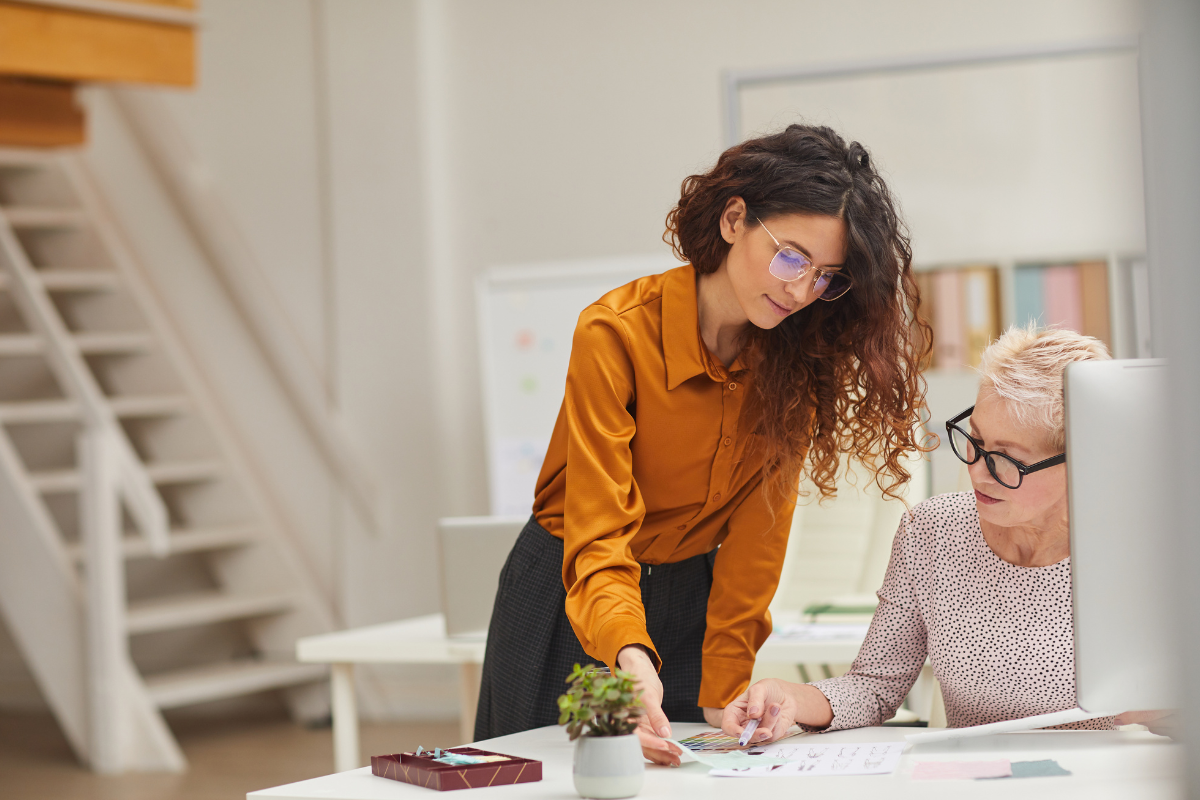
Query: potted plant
x,y
601,712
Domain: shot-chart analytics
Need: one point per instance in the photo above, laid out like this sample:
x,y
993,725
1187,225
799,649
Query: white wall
x,y
571,125
449,136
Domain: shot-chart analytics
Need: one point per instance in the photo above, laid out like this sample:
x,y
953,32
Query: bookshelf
x,y
971,302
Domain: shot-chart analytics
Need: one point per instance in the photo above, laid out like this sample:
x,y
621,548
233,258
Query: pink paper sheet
x,y
950,770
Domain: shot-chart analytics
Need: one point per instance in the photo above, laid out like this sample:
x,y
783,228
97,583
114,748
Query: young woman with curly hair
x,y
693,400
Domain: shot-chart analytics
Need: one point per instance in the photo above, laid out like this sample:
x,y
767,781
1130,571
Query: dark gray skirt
x,y
531,647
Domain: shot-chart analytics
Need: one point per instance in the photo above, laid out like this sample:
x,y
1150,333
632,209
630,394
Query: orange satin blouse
x,y
650,462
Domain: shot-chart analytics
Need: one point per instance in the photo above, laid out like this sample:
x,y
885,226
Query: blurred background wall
x,y
377,155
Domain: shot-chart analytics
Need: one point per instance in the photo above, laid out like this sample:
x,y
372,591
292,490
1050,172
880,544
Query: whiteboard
x,y
527,318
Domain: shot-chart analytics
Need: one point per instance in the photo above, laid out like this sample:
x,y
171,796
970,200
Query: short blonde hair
x,y
1024,367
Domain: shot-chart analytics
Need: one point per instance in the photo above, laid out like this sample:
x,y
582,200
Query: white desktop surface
x,y
419,640
423,640
1104,764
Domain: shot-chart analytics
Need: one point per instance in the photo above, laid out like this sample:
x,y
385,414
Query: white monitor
x,y
1118,453
473,551
1121,546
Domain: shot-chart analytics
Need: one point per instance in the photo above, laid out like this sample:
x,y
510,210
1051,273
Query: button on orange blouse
x,y
652,461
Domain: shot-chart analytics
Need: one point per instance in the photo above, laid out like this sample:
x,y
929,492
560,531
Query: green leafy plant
x,y
608,705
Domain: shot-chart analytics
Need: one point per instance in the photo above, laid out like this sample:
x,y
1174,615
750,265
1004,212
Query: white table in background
x,y
423,640
420,640
1104,764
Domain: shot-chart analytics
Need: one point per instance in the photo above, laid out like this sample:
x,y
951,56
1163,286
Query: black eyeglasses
x,y
1007,471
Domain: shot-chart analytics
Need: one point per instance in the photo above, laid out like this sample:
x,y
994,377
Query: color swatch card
x,y
713,742
809,758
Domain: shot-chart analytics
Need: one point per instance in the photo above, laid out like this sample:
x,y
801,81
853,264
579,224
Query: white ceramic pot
x,y
608,767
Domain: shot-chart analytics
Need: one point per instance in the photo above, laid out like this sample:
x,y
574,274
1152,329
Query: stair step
x,y
185,471
149,405
201,608
231,679
72,280
19,344
169,472
26,158
79,280
43,217
185,540
63,410
112,342
27,411
89,343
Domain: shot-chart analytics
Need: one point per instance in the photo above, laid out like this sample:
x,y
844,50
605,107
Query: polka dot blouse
x,y
999,636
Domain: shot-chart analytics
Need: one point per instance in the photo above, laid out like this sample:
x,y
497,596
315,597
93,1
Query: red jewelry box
x,y
422,770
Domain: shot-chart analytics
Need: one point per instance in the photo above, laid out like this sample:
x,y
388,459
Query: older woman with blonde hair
x,y
979,582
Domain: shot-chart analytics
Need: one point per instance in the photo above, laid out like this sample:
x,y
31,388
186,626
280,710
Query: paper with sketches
x,y
807,757
736,759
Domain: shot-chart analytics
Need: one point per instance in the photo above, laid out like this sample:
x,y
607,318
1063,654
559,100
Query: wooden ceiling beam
x,y
49,41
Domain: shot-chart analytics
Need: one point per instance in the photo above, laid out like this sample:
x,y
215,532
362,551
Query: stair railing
x,y
134,483
110,472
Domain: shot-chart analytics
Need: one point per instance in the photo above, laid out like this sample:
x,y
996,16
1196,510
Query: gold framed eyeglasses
x,y
789,264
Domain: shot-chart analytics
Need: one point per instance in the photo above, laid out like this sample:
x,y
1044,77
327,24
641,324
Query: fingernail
x,y
752,710
764,734
774,711
664,731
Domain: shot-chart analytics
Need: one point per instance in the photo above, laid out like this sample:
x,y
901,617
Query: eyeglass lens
x,y
789,265
831,285
1003,469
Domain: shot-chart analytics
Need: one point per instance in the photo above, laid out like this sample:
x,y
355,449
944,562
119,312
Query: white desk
x,y
1104,764
423,640
420,640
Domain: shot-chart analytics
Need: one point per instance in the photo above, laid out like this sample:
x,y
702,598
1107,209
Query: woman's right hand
x,y
653,727
777,705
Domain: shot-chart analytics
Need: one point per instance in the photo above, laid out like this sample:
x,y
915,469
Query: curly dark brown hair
x,y
838,377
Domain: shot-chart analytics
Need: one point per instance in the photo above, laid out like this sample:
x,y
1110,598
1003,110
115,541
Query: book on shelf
x,y
962,305
1068,296
981,306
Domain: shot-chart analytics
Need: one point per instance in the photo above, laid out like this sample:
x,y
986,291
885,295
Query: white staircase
x,y
141,565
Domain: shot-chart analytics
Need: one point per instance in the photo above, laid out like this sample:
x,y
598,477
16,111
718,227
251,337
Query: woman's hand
x,y
777,705
1165,722
658,750
767,701
653,726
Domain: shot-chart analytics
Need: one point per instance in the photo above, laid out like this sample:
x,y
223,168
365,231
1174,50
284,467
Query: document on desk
x,y
808,758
